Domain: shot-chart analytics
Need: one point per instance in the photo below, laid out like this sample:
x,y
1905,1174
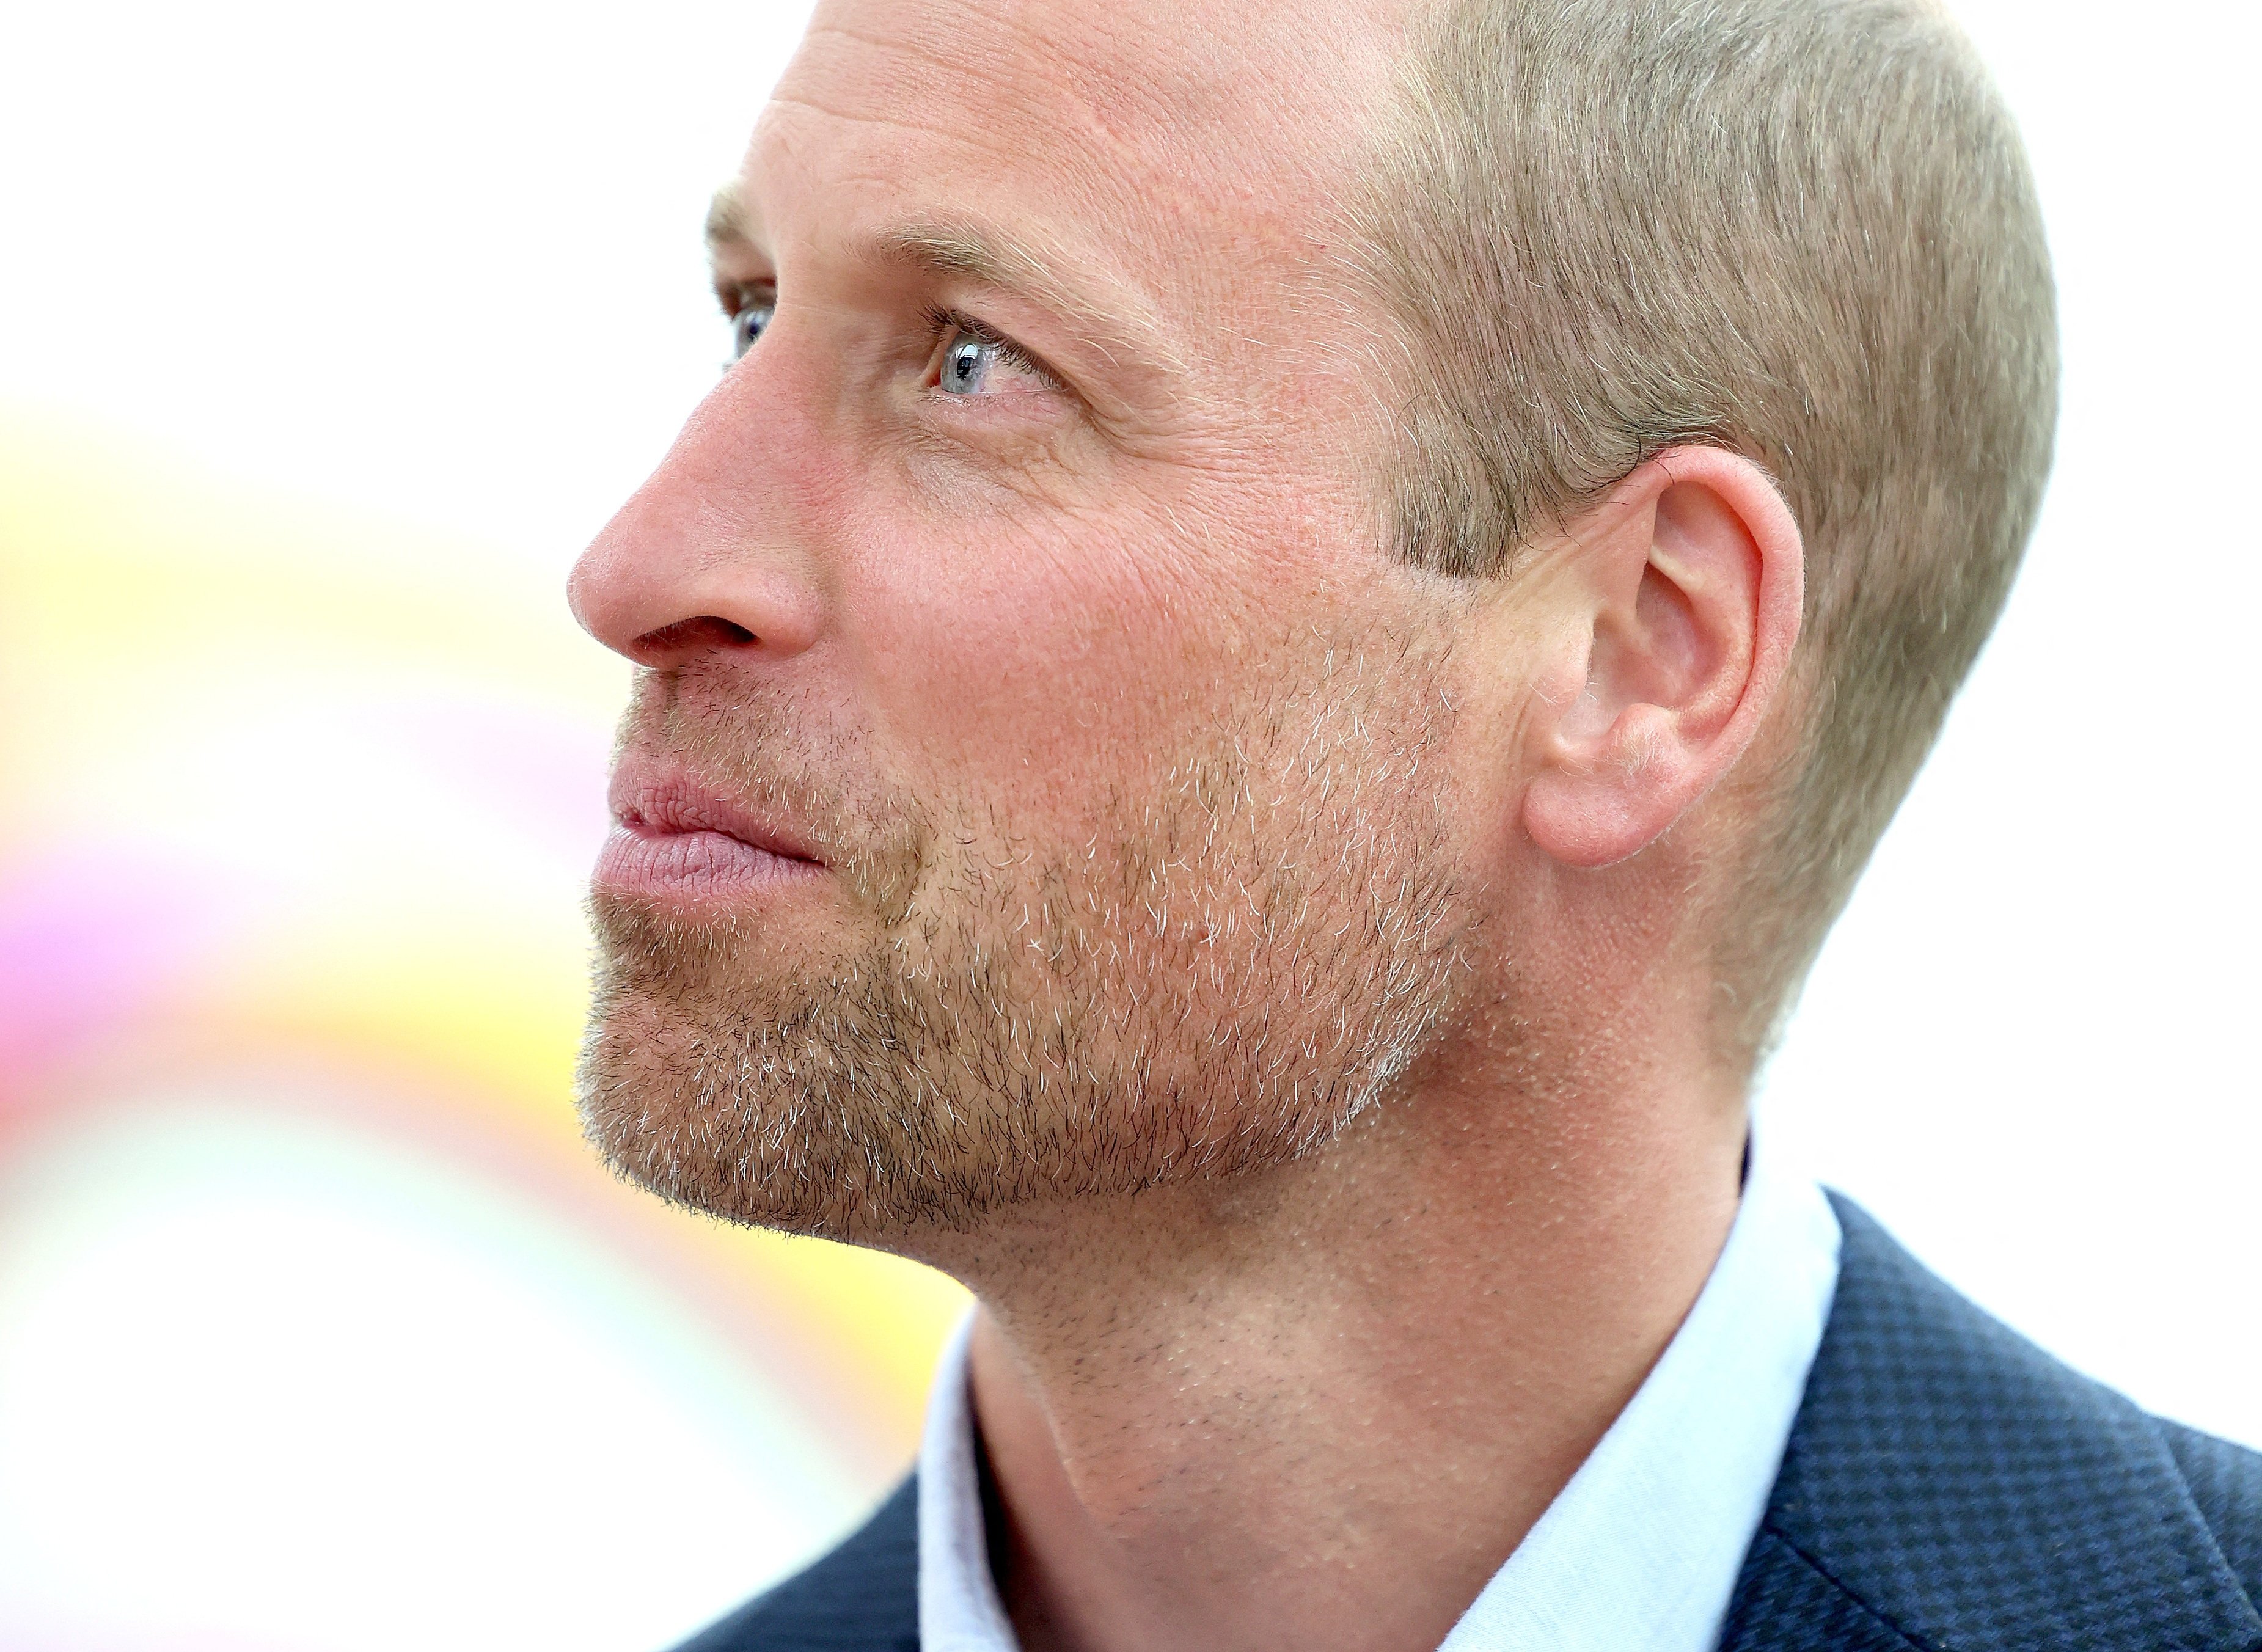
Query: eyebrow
x,y
726,221
1105,313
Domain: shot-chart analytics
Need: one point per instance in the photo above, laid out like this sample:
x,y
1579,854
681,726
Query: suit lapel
x,y
1950,1486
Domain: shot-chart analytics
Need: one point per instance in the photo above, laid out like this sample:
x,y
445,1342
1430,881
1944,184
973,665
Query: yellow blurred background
x,y
304,1273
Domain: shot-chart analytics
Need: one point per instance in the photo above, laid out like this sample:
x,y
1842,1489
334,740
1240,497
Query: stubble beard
x,y
1218,979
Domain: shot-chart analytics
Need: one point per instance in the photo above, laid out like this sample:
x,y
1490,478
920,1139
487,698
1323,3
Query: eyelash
x,y
942,321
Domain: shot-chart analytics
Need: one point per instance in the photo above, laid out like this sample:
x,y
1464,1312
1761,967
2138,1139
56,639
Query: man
x,y
1257,692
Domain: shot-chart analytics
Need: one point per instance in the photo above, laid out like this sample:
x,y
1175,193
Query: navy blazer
x,y
1948,1487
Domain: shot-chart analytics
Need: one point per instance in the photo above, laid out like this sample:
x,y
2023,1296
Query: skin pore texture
x,y
1060,844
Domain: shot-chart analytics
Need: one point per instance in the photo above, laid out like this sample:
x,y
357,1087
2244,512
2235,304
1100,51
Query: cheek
x,y
1045,671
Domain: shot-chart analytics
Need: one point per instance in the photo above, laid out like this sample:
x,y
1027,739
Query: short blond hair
x,y
1800,229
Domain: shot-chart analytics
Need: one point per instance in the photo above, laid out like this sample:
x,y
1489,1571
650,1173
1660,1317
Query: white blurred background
x,y
431,274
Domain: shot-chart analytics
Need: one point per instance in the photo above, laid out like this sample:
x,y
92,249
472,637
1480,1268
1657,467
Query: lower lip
x,y
693,863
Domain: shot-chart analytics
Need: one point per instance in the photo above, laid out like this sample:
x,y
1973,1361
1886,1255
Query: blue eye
x,y
965,363
748,322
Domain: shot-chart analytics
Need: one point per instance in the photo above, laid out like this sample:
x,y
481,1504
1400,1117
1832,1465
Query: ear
x,y
1687,584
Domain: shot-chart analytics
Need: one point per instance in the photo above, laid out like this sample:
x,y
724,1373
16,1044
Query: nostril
x,y
689,637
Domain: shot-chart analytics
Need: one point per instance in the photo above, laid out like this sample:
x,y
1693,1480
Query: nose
x,y
708,554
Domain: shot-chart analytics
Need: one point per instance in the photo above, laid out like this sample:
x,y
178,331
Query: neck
x,y
1320,1406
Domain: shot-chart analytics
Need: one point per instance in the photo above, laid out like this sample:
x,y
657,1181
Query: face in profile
x,y
1034,786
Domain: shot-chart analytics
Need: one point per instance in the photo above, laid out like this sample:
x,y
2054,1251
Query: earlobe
x,y
1608,800
1692,579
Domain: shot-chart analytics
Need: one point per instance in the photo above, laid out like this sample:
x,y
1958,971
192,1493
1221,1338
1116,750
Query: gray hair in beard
x,y
1219,979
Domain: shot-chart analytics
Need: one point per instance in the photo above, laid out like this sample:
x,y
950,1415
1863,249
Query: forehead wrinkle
x,y
1102,306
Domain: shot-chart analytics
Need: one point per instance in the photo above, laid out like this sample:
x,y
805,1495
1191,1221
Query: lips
x,y
671,836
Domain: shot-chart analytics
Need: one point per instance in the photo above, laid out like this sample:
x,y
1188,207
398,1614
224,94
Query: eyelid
x,y
942,321
737,296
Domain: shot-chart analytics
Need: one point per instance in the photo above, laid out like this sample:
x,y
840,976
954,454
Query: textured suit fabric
x,y
1948,1487
1967,1491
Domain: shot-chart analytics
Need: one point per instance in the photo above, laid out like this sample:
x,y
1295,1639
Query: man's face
x,y
1022,583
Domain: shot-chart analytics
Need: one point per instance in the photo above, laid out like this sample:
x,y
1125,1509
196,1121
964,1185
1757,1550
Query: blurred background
x,y
328,336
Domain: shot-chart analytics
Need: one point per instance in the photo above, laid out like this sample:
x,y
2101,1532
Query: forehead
x,y
1163,126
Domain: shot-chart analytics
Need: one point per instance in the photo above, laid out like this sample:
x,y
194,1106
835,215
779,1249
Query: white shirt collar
x,y
959,1609
1640,1552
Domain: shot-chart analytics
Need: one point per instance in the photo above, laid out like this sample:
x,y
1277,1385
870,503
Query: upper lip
x,y
661,800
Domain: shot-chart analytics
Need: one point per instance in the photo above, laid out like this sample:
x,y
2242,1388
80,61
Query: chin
x,y
1206,985
874,1101
755,1096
